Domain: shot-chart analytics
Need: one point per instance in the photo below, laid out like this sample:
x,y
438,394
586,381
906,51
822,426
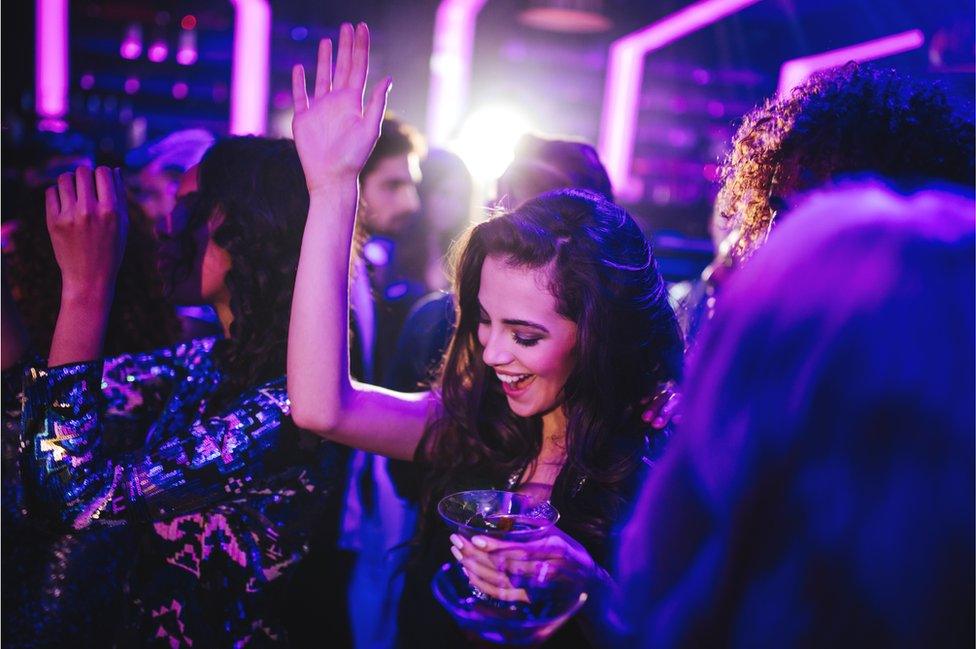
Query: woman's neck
x,y
545,468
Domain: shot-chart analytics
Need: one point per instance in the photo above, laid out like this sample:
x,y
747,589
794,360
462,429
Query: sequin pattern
x,y
225,501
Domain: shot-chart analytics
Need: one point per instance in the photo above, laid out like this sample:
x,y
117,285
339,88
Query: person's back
x,y
821,493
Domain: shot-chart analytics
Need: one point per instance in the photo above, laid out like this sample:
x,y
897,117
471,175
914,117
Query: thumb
x,y
377,103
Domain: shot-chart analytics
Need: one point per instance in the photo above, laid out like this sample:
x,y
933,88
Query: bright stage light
x,y
486,141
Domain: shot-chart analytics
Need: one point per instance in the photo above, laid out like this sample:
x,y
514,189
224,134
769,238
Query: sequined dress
x,y
223,504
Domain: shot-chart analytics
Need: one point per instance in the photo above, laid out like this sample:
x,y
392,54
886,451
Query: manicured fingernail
x,y
456,541
465,571
457,553
479,542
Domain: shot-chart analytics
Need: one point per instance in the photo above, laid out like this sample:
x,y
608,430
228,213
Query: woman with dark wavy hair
x,y
563,326
224,490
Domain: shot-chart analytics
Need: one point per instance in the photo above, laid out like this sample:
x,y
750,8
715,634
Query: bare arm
x,y
334,136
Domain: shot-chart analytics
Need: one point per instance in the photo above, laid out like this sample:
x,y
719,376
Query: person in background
x,y
852,120
820,490
154,171
158,174
447,209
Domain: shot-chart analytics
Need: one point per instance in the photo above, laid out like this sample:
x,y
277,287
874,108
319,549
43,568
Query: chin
x,y
527,409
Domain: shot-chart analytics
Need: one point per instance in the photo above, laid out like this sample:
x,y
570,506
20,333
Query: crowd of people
x,y
240,375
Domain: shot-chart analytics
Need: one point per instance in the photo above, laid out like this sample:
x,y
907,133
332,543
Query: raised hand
x,y
88,221
333,132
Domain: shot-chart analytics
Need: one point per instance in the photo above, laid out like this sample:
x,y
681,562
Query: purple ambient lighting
x,y
450,67
131,86
249,69
180,90
625,72
131,47
158,52
87,81
796,71
51,80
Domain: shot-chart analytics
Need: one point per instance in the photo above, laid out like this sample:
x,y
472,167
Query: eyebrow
x,y
518,323
526,323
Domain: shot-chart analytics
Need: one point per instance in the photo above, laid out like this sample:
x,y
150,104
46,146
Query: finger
x,y
463,550
504,594
323,71
655,402
377,103
104,186
299,93
488,574
360,59
66,191
85,189
663,417
52,205
343,57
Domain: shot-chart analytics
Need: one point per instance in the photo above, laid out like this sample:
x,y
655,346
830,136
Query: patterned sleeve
x,y
76,479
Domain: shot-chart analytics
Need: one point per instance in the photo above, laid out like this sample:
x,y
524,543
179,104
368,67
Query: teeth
x,y
511,380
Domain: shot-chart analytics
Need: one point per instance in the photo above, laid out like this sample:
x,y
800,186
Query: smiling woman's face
x,y
527,344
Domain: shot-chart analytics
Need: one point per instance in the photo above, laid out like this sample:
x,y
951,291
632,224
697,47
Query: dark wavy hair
x,y
605,279
141,318
256,187
852,120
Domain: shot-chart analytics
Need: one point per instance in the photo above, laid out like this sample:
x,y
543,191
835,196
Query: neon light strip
x,y
450,66
625,75
51,76
249,71
796,71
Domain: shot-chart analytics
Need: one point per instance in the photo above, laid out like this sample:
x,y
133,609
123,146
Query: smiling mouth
x,y
515,383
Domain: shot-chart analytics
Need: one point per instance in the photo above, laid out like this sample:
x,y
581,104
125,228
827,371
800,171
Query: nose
x,y
496,352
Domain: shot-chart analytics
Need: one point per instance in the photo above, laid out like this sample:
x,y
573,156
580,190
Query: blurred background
x,y
137,70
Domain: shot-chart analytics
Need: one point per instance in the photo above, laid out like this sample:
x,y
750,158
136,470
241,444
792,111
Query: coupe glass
x,y
498,514
511,517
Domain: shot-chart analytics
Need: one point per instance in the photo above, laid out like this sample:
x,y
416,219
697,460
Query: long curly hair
x,y
605,279
256,187
141,318
852,120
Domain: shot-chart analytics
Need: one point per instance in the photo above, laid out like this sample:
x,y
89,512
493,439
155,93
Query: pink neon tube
x,y
250,67
51,80
450,66
625,74
796,71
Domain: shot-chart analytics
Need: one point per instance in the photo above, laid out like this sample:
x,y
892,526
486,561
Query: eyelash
x,y
519,340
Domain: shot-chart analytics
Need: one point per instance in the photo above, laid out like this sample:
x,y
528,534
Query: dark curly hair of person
x,y
253,190
852,120
141,318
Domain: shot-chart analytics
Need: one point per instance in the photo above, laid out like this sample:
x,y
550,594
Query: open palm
x,y
333,132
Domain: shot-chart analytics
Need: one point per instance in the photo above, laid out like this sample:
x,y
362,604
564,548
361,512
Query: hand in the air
x,y
334,134
88,221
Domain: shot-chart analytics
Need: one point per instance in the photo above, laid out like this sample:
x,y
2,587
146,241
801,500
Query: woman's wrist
x,y
91,294
328,188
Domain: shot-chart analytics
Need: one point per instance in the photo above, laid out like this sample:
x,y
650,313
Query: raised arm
x,y
334,135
